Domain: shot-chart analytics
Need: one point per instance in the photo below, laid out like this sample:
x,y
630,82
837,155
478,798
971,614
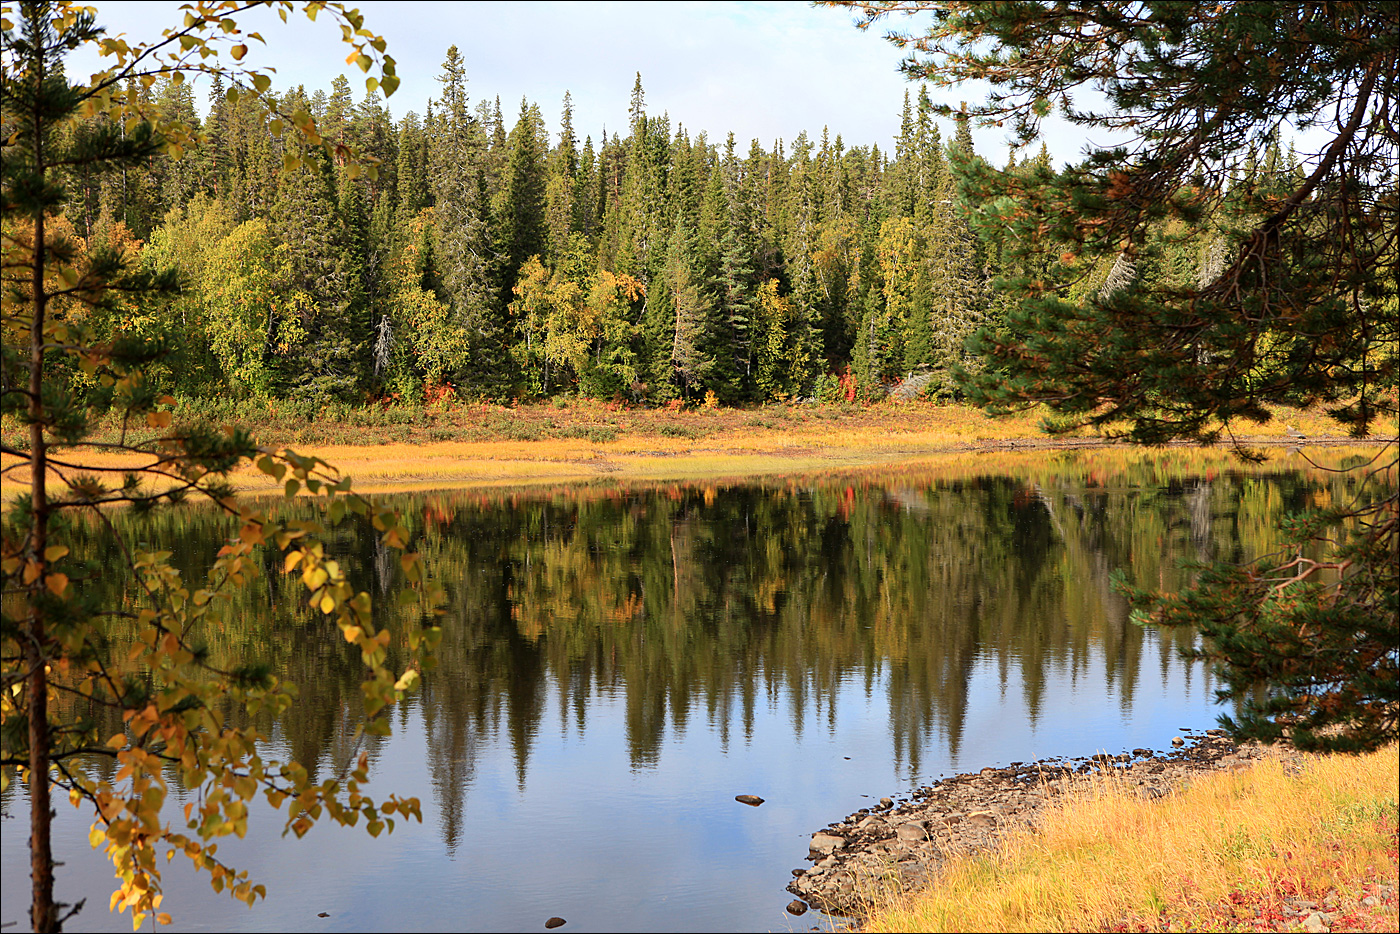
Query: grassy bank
x,y
1234,851
405,448
600,422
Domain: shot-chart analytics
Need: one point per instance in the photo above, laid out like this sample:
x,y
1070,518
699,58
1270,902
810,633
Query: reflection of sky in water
x,y
887,659
611,846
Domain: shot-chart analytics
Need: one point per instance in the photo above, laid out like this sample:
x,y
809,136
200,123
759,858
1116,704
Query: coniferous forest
x,y
488,259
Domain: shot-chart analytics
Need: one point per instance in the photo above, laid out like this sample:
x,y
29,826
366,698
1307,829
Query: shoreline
x,y
462,446
1023,847
451,465
906,837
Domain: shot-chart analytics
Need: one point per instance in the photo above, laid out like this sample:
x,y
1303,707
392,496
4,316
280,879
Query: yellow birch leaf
x,y
54,552
57,583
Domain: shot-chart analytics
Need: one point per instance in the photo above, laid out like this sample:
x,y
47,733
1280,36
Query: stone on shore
x,y
970,812
826,843
911,833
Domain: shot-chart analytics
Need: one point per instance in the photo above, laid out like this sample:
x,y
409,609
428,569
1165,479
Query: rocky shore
x,y
901,840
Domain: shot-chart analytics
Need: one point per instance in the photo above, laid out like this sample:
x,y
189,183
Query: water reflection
x,y
688,616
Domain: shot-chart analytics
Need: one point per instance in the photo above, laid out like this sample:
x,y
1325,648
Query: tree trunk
x,y
43,913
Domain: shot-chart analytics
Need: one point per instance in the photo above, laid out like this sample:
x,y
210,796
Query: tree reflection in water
x,y
708,600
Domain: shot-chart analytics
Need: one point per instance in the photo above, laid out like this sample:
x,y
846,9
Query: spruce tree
x,y
465,251
521,225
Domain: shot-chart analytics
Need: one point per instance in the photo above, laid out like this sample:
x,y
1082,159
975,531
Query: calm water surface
x,y
618,664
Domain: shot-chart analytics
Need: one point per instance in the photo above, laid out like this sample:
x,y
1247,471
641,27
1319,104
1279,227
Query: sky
x,y
762,70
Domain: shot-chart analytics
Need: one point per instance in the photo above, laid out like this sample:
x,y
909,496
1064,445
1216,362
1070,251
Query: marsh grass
x,y
280,423
440,446
1220,854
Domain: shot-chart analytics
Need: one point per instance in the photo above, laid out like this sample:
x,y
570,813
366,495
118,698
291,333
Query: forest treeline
x,y
495,263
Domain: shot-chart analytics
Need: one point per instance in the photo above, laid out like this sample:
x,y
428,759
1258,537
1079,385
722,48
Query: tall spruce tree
x,y
465,252
521,225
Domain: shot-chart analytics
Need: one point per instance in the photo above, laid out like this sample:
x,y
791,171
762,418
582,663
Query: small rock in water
x,y
323,914
1178,741
753,800
555,922
797,907
886,802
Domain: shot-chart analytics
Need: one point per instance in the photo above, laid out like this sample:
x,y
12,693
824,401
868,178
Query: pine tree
x,y
328,363
414,191
521,225
687,366
1302,312
465,252
56,624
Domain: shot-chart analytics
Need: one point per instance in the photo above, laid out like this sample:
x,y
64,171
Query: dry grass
x,y
1225,853
484,445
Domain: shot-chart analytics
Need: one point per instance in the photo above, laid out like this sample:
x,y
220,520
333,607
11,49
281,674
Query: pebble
x,y
797,907
555,923
753,800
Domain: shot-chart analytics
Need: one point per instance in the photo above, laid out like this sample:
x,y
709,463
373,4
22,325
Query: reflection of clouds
x,y
762,642
718,600
944,595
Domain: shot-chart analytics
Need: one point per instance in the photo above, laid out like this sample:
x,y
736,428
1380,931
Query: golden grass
x,y
479,445
1221,854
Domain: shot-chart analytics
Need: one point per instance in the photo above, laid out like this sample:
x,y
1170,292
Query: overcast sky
x,y
762,70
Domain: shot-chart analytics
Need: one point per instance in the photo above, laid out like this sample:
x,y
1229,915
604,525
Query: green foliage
x,y
1175,287
141,662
